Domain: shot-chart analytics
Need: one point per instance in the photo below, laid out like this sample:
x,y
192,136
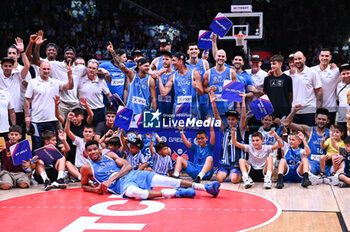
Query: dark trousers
x,y
307,119
41,127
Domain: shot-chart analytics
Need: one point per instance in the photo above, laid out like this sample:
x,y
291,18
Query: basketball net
x,y
239,39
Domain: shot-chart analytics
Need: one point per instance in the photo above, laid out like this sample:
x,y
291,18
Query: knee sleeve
x,y
165,181
135,192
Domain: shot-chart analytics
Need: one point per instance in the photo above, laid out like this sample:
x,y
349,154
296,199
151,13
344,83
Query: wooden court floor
x,y
317,208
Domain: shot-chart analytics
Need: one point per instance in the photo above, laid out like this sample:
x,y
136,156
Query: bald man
x,y
40,93
214,78
307,91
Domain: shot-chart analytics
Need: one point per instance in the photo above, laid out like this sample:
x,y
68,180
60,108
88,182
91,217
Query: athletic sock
x,y
60,175
44,176
268,174
168,192
245,175
201,174
198,186
176,174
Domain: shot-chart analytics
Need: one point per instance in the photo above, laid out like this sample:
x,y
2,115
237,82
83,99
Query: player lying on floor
x,y
115,175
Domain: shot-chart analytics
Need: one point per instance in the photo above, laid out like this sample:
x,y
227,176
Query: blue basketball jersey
x,y
165,103
315,144
217,79
118,78
293,157
185,93
201,69
231,154
103,170
139,94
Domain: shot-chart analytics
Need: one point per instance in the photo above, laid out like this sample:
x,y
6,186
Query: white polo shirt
x,y
93,91
304,85
5,105
13,84
342,91
330,79
59,72
258,78
42,92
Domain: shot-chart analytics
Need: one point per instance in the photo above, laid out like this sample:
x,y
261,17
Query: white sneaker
x,y
315,180
248,182
267,182
332,180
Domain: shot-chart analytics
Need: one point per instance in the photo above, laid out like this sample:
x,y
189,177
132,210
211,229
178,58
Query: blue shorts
x,y
230,171
292,174
140,179
316,169
194,169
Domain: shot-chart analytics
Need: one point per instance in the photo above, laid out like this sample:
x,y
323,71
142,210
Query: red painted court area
x,y
76,210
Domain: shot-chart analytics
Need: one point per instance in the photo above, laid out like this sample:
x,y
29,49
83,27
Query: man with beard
x,y
164,45
115,175
307,91
117,84
214,79
14,79
165,102
141,86
187,85
314,135
330,78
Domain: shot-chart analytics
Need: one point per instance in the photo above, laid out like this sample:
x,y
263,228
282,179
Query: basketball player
x,y
141,86
214,80
201,65
313,134
187,85
115,175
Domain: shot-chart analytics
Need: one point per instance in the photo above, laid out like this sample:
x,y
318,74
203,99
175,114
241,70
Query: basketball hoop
x,y
240,39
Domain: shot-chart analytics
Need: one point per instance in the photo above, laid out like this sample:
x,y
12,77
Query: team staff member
x,y
91,87
40,95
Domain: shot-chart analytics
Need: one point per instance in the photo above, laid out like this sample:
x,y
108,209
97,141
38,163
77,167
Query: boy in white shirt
x,y
260,163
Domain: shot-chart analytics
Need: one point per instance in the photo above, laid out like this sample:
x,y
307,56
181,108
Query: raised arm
x,y
58,115
306,146
70,83
234,140
62,136
67,127
29,49
123,140
242,122
279,140
212,133
214,44
39,41
128,72
184,139
154,63
20,47
90,113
